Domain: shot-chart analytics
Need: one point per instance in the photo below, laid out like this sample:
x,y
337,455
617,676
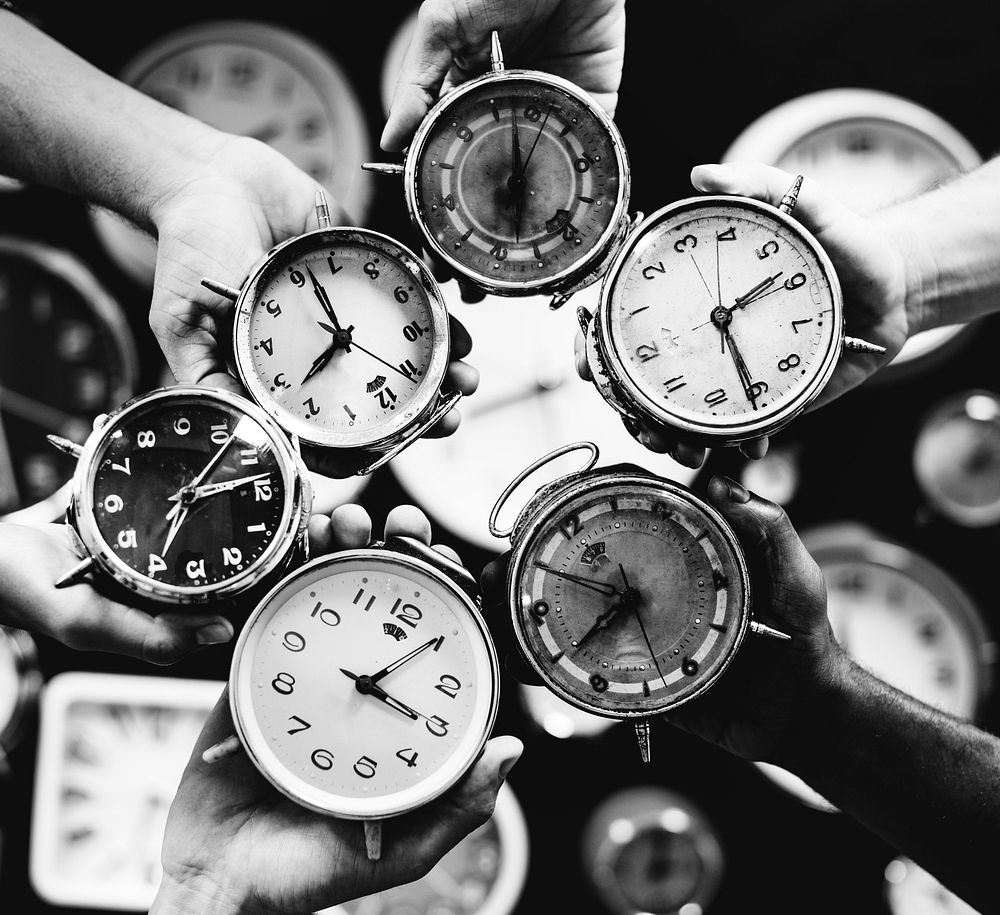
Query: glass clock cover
x,y
338,746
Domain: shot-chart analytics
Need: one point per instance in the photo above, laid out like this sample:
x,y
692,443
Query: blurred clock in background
x,y
903,618
257,80
869,149
649,851
558,718
20,681
530,401
482,875
956,458
111,751
66,354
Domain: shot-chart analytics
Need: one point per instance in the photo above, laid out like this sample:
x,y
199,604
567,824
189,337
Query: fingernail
x,y
736,492
506,766
214,634
703,173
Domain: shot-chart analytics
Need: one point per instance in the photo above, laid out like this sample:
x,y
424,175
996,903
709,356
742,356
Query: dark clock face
x,y
65,356
189,493
518,181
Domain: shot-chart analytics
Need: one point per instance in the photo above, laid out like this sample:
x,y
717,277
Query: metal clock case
x,y
187,495
956,458
592,553
306,320
870,149
336,705
519,182
66,354
719,355
648,851
20,683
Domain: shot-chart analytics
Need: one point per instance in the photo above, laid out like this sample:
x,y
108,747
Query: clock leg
x,y
642,736
373,839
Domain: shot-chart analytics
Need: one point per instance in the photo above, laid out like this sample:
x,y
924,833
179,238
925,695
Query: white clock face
x,y
530,400
333,741
111,754
260,81
340,341
723,317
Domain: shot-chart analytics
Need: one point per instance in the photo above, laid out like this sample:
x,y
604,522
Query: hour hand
x,y
365,686
320,362
757,291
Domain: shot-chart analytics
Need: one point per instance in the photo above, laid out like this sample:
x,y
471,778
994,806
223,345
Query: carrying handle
x,y
528,471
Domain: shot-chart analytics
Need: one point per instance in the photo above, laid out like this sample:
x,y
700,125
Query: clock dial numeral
x,y
283,683
294,641
647,351
411,759
767,249
407,613
437,726
716,397
303,725
325,614
322,759
790,361
366,767
688,241
795,324
448,685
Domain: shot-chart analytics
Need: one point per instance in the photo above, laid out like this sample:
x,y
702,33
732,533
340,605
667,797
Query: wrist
x,y
199,894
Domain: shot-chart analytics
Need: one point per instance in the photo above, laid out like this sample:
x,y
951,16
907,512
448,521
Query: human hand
x,y
233,843
34,556
218,220
870,267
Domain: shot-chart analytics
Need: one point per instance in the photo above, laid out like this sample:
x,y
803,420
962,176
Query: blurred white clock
x,y
258,80
20,681
901,617
530,401
869,149
482,875
111,752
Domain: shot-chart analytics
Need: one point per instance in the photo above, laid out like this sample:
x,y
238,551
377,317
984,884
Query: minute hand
x,y
389,668
745,299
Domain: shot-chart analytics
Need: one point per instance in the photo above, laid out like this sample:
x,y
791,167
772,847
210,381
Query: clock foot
x,y
65,445
77,573
222,750
642,736
857,345
227,292
766,631
373,839
791,197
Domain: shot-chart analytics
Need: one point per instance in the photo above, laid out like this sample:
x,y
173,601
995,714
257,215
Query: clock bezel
x,y
610,350
254,738
579,273
424,400
535,522
289,532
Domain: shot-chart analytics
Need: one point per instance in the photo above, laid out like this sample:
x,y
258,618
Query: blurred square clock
x,y
111,752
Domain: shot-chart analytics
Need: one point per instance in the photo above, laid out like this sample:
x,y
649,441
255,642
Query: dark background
x,y
695,75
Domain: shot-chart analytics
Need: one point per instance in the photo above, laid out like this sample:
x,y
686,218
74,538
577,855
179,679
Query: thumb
x,y
793,581
816,208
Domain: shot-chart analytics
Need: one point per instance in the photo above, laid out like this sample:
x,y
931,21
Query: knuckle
x,y
159,651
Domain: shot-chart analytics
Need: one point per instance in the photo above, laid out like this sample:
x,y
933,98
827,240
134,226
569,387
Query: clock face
x,y
901,617
722,318
530,401
260,81
956,458
111,753
188,491
342,338
66,354
518,180
869,149
364,685
589,587
482,875
650,850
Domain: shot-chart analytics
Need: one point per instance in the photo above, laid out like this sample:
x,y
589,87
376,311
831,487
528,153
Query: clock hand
x,y
389,668
743,300
642,626
531,152
175,526
364,686
320,362
741,367
211,489
324,299
395,368
515,184
602,621
602,587
182,494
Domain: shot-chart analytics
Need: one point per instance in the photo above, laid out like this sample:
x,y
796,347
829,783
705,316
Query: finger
x,y
408,521
461,339
756,449
766,533
427,62
103,625
446,425
470,293
462,377
580,357
349,528
815,207
445,550
683,452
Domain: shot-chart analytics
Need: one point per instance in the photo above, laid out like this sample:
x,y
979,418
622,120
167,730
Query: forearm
x,y
950,240
71,126
927,783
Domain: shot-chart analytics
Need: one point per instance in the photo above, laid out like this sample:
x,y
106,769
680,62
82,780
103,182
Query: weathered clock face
x,y
518,181
723,317
628,598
